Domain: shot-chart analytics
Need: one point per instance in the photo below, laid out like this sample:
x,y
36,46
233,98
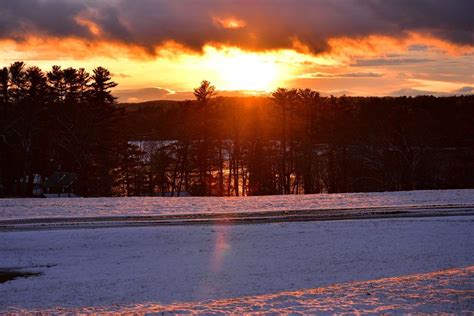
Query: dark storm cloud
x,y
450,20
267,23
53,17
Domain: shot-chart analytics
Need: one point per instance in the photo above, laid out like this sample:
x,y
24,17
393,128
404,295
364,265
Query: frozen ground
x,y
152,267
149,206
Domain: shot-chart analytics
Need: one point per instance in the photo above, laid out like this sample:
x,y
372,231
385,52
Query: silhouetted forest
x,y
67,121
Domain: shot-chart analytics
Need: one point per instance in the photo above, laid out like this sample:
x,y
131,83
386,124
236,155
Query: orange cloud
x,y
307,26
53,48
369,65
229,23
93,28
346,49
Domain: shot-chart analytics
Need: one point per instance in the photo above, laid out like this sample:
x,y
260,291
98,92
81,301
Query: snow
x,y
446,291
187,266
275,266
149,206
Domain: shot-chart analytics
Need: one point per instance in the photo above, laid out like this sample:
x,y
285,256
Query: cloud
x,y
418,48
449,20
249,24
141,95
229,23
372,62
120,75
48,17
346,75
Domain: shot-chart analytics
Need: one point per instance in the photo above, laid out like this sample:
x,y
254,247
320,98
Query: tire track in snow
x,y
257,217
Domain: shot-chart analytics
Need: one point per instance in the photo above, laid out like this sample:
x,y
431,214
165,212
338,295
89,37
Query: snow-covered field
x,y
161,268
447,291
148,206
277,265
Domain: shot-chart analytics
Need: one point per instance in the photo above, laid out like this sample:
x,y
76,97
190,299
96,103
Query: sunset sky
x,y
161,49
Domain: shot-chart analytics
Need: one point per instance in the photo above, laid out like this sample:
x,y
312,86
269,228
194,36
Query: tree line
x,y
292,142
64,119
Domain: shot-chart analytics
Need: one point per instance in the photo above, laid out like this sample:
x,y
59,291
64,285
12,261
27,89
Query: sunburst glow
x,y
243,71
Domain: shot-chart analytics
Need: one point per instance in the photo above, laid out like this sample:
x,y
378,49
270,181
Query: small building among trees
x,y
60,184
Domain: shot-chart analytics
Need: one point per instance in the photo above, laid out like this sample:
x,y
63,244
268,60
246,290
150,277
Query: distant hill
x,y
155,103
150,94
414,92
263,98
163,104
162,97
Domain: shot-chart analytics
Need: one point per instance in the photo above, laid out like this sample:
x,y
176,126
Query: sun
x,y
247,72
238,70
